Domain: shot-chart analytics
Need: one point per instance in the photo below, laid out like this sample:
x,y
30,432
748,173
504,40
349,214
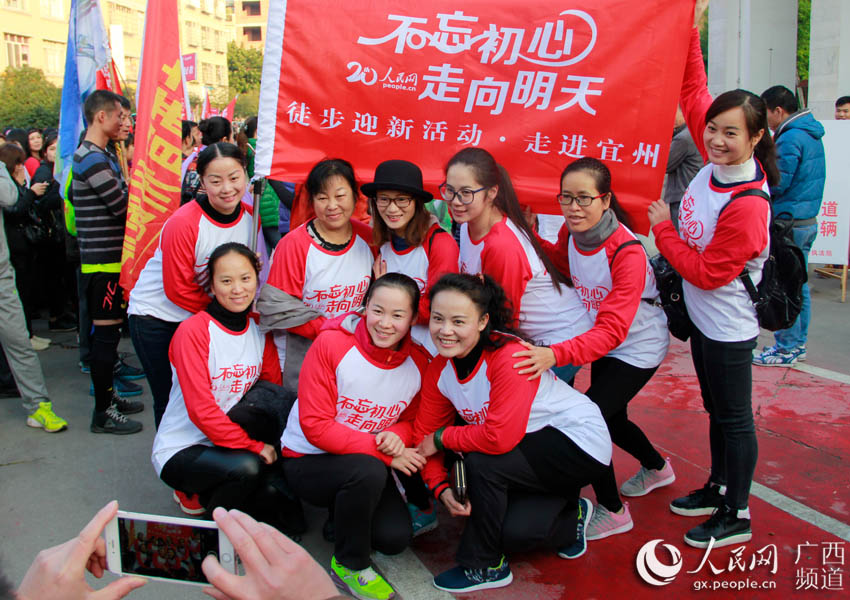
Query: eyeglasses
x,y
466,196
400,201
583,200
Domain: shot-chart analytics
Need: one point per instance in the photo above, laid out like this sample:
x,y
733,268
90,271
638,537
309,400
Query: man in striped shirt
x,y
100,205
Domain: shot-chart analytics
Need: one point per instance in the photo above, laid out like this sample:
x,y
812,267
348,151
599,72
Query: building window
x,y
54,58
208,6
219,74
193,34
251,9
206,38
17,50
252,34
193,3
129,19
52,9
15,4
206,73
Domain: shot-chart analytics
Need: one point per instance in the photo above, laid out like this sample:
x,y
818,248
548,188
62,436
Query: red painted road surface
x,y
803,425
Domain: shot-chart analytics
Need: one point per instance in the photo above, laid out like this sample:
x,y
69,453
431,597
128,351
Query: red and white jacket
x,y
500,407
179,265
332,283
624,326
349,390
212,368
713,249
506,255
425,263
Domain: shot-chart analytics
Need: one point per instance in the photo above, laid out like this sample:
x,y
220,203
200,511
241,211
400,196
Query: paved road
x,y
50,485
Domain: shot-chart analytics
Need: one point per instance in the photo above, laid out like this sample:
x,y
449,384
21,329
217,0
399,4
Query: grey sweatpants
x,y
22,359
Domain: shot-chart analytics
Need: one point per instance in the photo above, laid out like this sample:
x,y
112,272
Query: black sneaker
x,y
125,406
127,371
112,421
724,526
461,580
579,546
698,503
61,324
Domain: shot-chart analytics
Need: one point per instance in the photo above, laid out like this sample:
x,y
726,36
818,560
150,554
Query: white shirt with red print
x,y
212,369
349,390
712,249
179,266
506,255
500,407
624,326
332,283
436,256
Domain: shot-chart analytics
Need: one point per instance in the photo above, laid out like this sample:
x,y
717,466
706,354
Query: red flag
x,y
227,113
155,180
206,111
536,84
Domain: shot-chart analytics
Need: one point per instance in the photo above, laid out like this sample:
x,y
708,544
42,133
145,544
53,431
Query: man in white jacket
x,y
23,362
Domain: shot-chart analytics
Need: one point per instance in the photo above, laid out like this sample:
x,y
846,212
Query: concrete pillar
x,y
829,56
752,44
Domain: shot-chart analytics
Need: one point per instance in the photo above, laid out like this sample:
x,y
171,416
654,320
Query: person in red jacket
x,y
714,245
496,239
408,238
352,423
629,338
528,446
173,284
217,355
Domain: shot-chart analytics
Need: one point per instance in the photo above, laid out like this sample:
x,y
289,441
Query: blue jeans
x,y
151,338
796,335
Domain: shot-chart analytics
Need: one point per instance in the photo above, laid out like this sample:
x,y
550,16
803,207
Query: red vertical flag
x,y
206,111
227,113
155,180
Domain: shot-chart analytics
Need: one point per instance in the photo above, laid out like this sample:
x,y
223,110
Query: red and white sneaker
x,y
190,505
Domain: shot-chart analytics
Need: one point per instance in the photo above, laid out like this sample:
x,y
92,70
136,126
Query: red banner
x,y
536,83
189,61
155,180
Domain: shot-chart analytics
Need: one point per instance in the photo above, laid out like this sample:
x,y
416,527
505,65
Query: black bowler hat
x,y
398,175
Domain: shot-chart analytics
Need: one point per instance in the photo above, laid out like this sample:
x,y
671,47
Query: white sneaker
x,y
39,343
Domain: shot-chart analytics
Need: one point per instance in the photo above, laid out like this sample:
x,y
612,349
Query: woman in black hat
x,y
409,239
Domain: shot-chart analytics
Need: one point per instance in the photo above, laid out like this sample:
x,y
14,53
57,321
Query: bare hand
x,y
389,443
58,573
276,568
20,174
658,212
268,454
456,509
699,11
409,462
39,188
427,447
538,360
379,267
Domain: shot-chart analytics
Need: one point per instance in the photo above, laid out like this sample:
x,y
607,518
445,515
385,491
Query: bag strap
x,y
620,247
745,274
433,235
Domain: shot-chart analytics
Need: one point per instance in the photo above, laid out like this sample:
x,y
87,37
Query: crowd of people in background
x,y
367,346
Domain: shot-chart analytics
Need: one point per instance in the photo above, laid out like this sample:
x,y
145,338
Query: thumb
x,y
119,589
223,581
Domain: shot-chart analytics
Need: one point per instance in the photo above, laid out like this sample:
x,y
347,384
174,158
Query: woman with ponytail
x,y
528,446
496,239
714,245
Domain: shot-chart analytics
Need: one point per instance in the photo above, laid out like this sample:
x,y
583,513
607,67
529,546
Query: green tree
x,y
27,99
247,104
245,68
804,28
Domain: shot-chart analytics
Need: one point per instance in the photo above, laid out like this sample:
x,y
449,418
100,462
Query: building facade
x,y
250,18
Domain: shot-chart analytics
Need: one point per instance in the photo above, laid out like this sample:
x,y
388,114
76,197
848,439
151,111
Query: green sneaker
x,y
45,418
365,584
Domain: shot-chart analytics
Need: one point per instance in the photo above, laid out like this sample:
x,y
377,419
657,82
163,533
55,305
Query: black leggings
x,y
725,374
369,513
230,479
613,383
515,508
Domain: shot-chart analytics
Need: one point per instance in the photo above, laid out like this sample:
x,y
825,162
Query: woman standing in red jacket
x,y
352,423
528,446
714,245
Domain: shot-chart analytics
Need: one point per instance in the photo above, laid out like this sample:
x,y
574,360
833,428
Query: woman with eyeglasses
x,y
629,337
409,239
495,239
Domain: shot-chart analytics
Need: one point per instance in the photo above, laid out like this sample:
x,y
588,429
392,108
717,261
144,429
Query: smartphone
x,y
165,548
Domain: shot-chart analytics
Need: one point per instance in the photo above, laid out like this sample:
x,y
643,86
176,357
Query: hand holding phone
x,y
58,573
276,568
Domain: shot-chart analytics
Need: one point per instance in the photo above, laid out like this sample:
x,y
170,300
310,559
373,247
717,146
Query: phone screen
x,y
165,550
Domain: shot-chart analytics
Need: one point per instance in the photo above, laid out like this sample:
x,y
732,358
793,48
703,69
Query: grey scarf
x,y
596,235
